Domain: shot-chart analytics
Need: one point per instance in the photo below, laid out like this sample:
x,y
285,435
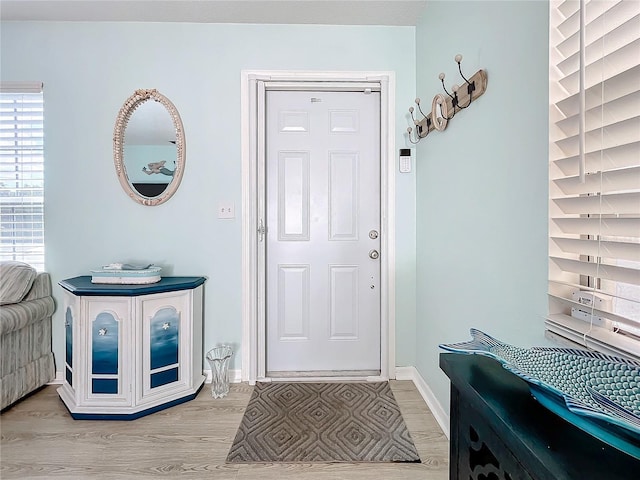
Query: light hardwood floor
x,y
41,440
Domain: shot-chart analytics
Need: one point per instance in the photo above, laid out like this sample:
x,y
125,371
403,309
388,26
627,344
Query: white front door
x,y
323,233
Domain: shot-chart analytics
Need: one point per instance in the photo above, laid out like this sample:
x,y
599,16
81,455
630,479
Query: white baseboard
x,y
234,377
402,373
59,380
439,413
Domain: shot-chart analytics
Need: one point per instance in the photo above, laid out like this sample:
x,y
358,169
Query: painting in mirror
x,y
149,147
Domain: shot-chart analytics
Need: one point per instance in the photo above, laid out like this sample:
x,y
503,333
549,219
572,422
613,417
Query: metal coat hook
x,y
471,86
421,131
459,99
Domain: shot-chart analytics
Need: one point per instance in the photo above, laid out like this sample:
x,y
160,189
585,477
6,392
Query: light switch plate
x,y
226,210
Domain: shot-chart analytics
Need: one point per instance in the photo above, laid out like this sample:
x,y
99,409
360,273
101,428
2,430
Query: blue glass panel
x,y
162,378
69,376
105,345
104,385
164,336
68,332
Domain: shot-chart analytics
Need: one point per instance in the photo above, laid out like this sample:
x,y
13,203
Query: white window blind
x,y
594,171
22,173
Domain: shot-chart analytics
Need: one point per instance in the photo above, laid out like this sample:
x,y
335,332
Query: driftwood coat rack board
x,y
445,106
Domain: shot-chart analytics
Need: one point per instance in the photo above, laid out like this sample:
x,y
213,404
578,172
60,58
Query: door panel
x,y
322,200
293,302
293,196
343,195
345,295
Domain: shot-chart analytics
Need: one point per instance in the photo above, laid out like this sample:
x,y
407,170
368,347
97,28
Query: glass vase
x,y
218,359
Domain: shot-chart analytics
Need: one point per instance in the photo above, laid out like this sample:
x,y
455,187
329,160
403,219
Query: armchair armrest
x,y
41,287
18,315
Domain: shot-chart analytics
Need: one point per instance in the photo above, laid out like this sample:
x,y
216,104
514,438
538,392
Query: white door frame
x,y
252,138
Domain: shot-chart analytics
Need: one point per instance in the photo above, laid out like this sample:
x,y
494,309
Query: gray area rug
x,y
322,422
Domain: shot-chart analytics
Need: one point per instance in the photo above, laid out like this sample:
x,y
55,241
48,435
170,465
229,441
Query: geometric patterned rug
x,y
322,422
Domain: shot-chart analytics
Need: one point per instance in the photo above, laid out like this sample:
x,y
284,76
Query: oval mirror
x,y
149,147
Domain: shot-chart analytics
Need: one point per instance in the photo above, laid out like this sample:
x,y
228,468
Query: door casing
x,y
253,88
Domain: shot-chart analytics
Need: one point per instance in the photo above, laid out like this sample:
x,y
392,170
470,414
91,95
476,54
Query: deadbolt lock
x,y
374,254
373,234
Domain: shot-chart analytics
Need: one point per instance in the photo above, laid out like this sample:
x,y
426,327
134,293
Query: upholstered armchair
x,y
26,306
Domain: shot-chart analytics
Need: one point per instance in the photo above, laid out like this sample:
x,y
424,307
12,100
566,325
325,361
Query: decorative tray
x,y
597,393
122,276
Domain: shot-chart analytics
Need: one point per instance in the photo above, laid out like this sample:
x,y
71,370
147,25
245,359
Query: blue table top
x,y
82,286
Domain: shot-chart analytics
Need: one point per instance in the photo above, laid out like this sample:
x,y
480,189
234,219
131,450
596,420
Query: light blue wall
x,y
89,70
482,183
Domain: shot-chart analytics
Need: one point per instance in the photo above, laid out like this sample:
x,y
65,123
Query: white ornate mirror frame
x,y
133,102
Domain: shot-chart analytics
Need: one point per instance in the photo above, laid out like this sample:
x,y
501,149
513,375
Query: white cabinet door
x,y
323,228
71,329
165,353
107,368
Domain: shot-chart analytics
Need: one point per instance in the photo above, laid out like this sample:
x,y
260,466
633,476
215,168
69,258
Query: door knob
x,y
374,254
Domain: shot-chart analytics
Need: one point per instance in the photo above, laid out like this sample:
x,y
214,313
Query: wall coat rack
x,y
444,107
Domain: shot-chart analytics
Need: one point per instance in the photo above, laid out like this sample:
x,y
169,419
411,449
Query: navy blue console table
x,y
131,350
499,431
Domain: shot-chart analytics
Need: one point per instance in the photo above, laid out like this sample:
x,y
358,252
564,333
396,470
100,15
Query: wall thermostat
x,y
405,160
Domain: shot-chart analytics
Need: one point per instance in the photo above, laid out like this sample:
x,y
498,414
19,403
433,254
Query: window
x,y
594,171
22,173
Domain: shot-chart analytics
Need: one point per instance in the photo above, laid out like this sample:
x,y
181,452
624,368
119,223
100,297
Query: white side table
x,y
131,350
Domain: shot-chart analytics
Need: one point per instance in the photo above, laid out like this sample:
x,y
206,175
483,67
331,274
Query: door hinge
x,y
261,231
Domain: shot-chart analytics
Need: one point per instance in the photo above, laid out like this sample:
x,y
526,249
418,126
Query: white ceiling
x,y
323,12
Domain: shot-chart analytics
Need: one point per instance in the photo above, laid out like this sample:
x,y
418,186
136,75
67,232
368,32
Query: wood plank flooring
x,y
41,440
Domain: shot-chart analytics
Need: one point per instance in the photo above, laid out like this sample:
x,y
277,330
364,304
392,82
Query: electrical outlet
x,y
226,210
